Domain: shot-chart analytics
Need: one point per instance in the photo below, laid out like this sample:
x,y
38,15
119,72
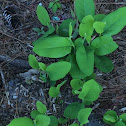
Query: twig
x,y
42,94
14,62
11,36
4,83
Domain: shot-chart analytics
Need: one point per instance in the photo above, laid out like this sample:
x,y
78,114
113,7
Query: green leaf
x,y
43,15
64,27
62,120
103,63
92,76
46,34
76,84
49,32
53,121
22,121
84,8
110,117
104,45
75,124
72,110
115,21
58,5
70,30
41,107
99,26
42,120
53,47
58,70
122,117
42,66
52,83
33,62
51,4
86,27
87,102
35,113
85,60
75,72
61,84
99,17
72,13
54,8
78,42
36,29
83,116
54,91
75,33
119,123
90,91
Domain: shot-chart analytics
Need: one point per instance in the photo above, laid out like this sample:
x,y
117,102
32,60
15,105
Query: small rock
x,y
14,97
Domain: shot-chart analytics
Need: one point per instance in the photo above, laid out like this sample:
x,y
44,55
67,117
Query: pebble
x,y
14,97
3,106
40,4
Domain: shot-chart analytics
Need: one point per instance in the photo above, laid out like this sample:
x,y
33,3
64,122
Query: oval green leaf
x,y
35,113
53,121
64,27
33,61
99,26
72,110
58,70
85,60
99,17
42,66
86,28
119,123
41,107
52,47
110,117
54,7
115,21
90,91
123,117
76,84
42,120
62,120
22,121
54,91
103,63
51,4
42,15
104,45
75,71
83,116
84,8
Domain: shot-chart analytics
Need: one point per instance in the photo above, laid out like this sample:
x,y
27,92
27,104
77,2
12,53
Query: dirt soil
x,y
20,87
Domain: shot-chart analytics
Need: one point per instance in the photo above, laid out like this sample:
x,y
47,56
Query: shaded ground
x,y
18,95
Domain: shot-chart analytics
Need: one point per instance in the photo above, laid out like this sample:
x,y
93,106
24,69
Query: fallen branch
x,y
18,63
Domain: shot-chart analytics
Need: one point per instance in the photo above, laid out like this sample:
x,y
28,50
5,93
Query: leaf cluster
x,y
111,118
80,44
55,5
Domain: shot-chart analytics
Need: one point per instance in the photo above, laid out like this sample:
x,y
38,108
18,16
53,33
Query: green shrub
x,y
80,45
